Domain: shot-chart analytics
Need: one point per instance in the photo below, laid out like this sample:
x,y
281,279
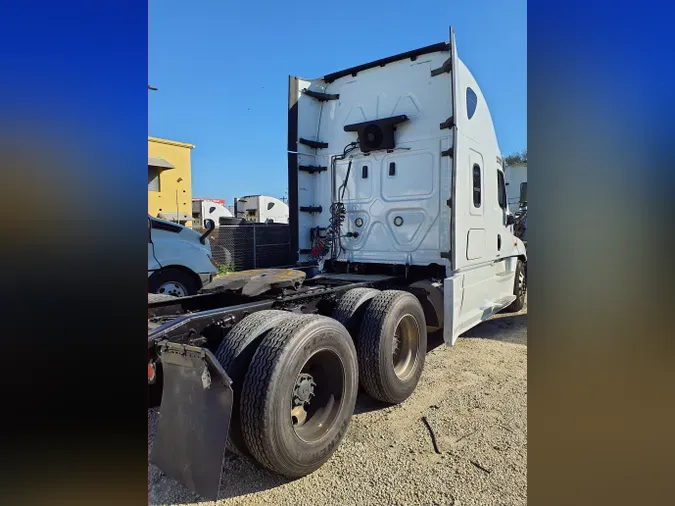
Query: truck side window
x,y
471,102
476,185
501,189
270,205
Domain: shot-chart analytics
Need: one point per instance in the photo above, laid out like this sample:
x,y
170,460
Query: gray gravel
x,y
474,397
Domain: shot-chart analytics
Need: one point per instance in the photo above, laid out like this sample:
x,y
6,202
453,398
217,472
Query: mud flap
x,y
194,417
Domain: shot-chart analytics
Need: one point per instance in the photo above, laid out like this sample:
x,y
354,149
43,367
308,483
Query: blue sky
x,y
222,69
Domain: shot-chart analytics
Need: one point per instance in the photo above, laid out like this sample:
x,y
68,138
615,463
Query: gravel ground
x,y
474,398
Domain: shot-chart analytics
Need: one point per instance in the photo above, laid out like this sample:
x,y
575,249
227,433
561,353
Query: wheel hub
x,y
397,343
304,390
172,288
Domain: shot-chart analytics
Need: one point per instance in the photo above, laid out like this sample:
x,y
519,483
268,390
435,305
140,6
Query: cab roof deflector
x,y
441,46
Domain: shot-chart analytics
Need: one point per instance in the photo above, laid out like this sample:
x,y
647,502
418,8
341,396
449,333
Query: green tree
x,y
515,158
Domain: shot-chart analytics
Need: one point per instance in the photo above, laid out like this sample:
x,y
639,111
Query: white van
x,y
179,259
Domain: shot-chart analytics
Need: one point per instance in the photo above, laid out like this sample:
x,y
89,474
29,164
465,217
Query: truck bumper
x,y
194,418
206,278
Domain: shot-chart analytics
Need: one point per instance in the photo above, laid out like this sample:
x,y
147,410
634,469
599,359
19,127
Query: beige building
x,y
170,180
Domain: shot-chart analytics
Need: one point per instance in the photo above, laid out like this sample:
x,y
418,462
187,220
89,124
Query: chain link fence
x,y
250,246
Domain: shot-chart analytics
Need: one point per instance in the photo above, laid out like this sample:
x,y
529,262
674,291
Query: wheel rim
x,y
172,288
317,394
406,347
521,284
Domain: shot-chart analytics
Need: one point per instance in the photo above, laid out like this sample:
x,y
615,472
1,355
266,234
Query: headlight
x,y
213,262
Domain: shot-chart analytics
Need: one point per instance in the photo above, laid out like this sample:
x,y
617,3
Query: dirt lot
x,y
474,398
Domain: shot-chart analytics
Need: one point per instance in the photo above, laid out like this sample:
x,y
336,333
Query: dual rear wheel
x,y
389,330
296,377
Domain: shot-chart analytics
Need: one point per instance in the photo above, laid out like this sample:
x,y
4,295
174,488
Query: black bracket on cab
x,y
448,123
447,152
311,209
321,97
312,169
446,67
313,144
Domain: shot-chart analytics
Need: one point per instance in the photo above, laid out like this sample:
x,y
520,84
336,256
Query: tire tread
x,y
370,343
256,408
229,349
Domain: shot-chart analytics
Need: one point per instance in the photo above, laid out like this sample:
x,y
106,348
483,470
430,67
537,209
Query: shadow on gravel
x,y
508,328
241,476
365,403
434,340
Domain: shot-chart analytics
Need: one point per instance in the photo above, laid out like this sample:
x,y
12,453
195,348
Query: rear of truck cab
x,y
429,197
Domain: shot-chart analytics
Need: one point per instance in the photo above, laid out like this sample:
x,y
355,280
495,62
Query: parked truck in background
x,y
261,209
209,209
399,217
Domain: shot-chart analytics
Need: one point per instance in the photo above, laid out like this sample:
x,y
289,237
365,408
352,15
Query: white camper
x,y
261,209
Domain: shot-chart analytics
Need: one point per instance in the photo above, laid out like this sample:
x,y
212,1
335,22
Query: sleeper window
x,y
501,189
476,185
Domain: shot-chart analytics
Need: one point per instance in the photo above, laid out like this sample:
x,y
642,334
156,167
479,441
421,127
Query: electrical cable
x,y
338,213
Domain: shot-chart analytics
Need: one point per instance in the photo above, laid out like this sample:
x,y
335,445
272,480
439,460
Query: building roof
x,y
170,142
155,161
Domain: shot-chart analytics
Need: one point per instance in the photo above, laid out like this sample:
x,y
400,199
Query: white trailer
x,y
399,218
261,209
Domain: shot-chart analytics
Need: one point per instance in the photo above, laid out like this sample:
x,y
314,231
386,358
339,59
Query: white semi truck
x,y
398,215
209,209
261,209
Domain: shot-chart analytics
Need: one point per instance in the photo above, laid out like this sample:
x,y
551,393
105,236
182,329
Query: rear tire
x,y
392,346
305,357
519,289
235,353
351,307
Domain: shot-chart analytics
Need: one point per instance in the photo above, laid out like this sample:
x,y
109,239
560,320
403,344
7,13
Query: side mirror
x,y
510,220
210,227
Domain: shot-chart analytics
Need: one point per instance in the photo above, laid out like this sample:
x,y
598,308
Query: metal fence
x,y
251,246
